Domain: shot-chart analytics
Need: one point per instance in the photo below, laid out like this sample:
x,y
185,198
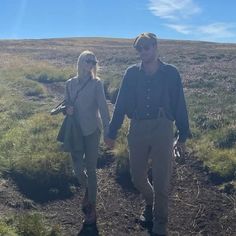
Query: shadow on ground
x,y
55,189
89,231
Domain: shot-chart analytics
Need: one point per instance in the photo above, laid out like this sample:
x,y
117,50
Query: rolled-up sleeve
x,y
66,95
68,92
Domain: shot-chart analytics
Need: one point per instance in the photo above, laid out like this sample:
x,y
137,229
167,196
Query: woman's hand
x,y
69,110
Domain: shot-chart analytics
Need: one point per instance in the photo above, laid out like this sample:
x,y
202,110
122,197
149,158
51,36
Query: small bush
x,y
202,83
6,230
219,161
111,83
227,139
200,58
217,56
47,77
208,123
28,87
121,150
34,91
31,224
20,110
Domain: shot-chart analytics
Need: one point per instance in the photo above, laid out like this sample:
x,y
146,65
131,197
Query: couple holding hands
x,y
151,95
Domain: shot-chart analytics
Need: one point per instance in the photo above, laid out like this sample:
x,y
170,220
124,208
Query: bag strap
x,y
78,91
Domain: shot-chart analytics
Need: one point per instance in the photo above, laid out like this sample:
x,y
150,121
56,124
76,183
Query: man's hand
x,y
109,142
69,110
179,149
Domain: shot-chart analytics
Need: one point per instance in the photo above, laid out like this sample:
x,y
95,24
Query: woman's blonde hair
x,y
85,55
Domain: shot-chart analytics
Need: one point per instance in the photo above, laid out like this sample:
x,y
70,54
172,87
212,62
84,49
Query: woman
x,y
89,107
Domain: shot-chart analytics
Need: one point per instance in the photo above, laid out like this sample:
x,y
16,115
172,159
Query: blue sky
x,y
205,20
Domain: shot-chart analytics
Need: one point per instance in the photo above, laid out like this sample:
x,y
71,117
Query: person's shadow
x,y
90,230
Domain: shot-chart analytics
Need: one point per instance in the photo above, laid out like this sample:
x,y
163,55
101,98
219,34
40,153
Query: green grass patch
x,y
28,224
33,158
201,83
220,160
46,77
48,74
29,151
121,150
226,138
33,224
15,83
7,230
213,127
14,108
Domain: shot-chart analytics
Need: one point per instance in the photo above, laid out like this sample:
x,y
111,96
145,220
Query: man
x,y
151,95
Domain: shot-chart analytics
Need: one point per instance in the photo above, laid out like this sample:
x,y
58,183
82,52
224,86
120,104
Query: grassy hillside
x,y
29,68
32,74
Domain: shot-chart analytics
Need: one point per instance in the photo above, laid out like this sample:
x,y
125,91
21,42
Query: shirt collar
x,y
82,80
161,65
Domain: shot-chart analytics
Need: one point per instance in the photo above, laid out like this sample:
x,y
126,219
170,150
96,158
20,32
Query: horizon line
x,y
112,38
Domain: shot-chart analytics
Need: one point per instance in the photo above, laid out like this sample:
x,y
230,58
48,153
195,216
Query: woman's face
x,y
89,62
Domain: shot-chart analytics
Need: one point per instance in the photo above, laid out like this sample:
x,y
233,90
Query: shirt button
x,y
148,97
148,106
148,114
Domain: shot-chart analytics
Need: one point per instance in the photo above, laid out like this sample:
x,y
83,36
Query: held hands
x,y
110,143
69,110
179,149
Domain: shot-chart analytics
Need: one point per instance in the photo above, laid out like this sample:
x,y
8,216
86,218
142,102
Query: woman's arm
x,y
103,107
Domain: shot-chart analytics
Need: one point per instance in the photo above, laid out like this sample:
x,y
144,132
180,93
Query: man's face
x,y
147,52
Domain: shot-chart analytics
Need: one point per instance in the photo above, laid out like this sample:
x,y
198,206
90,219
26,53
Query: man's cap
x,y
145,39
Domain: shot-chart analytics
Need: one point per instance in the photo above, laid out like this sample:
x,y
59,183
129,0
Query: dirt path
x,y
196,206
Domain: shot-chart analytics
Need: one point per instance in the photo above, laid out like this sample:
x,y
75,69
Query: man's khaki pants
x,y
152,139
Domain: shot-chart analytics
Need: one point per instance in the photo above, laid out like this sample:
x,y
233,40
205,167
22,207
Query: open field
x,y
32,74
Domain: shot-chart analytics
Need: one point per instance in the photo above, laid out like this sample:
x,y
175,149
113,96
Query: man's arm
x,y
118,114
181,113
181,118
